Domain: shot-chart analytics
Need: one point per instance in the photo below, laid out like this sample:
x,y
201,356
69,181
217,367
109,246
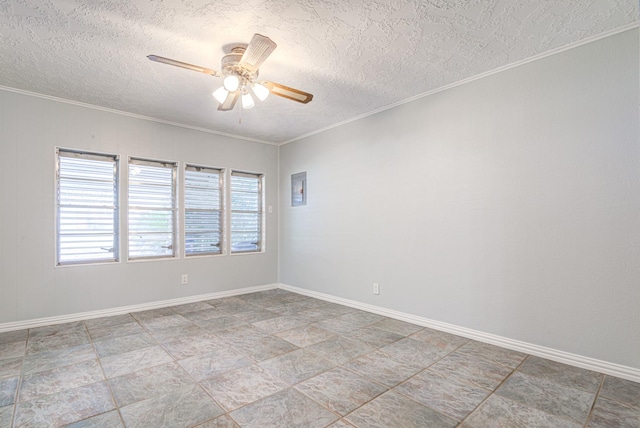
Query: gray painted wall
x,y
30,286
509,205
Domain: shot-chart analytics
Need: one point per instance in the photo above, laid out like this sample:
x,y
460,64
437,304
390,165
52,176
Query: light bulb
x,y
247,101
231,83
261,91
220,94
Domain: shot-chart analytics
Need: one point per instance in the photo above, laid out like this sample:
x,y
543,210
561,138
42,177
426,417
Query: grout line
x,y
574,360
19,383
15,401
268,304
316,401
515,369
175,361
595,399
104,375
424,369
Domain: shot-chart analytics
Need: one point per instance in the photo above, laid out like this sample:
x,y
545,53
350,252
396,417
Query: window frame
x,y
221,209
175,209
260,211
89,155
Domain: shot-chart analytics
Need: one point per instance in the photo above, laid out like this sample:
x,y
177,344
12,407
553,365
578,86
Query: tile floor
x,y
279,359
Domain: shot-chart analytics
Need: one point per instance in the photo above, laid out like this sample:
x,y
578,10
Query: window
x,y
246,212
88,212
87,207
202,210
152,209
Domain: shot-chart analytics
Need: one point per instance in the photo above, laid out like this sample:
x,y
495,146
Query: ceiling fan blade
x,y
230,102
289,93
259,49
181,64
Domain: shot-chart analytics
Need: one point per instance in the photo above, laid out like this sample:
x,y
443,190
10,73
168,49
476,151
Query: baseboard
x,y
617,370
60,319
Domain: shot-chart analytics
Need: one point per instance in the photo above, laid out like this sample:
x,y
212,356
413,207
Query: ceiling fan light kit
x,y
231,83
220,94
240,70
247,101
260,91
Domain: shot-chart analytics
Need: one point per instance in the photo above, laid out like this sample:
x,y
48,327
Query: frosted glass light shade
x,y
231,83
247,101
220,94
261,91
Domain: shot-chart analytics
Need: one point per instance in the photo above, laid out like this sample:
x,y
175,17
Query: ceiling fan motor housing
x,y
231,66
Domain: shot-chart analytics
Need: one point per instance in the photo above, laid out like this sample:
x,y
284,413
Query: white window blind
x,y
152,209
246,212
87,207
202,210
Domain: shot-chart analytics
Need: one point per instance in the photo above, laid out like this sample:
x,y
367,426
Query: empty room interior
x,y
396,213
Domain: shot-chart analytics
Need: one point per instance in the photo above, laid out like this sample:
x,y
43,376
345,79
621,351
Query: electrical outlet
x,y
376,288
185,279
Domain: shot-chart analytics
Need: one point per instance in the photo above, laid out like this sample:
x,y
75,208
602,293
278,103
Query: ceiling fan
x,y
240,71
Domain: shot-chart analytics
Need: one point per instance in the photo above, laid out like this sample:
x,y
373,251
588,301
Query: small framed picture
x,y
299,189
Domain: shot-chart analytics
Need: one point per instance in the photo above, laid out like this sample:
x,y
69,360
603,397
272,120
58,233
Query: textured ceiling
x,y
355,56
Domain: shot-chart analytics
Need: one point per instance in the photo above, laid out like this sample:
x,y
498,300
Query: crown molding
x,y
132,115
471,79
